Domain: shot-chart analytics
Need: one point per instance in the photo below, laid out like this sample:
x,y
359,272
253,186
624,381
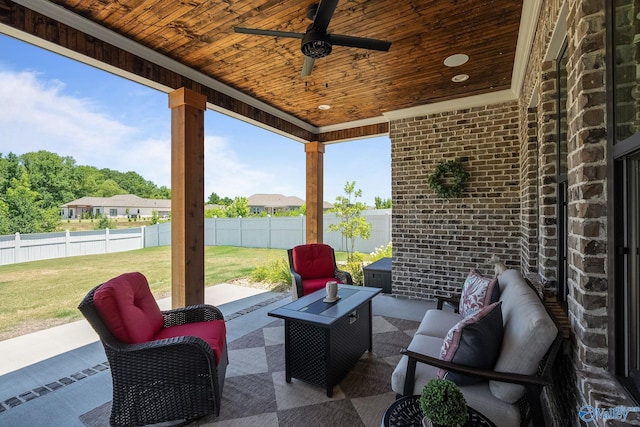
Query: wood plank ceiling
x,y
358,84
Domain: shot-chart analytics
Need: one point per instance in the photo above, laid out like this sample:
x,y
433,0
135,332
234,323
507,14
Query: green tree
x,y
302,210
109,188
239,207
382,203
352,224
5,221
215,213
161,193
51,176
214,199
24,209
86,179
9,168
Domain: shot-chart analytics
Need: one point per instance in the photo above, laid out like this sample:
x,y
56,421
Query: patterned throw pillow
x,y
475,341
477,292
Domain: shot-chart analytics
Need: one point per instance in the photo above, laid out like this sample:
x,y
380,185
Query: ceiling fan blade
x,y
271,33
363,43
307,66
324,14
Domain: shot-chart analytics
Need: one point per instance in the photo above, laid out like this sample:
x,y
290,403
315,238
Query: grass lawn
x,y
40,294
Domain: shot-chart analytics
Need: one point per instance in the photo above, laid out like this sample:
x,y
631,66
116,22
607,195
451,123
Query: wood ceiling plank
x,y
199,33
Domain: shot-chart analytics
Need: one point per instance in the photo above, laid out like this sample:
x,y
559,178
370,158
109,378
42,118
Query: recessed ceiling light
x,y
460,78
456,60
324,107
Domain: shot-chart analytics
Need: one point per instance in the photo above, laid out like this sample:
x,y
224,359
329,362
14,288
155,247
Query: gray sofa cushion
x,y
437,323
528,334
474,341
478,396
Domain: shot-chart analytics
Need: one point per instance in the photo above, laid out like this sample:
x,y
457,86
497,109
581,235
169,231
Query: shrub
x,y
381,252
277,274
154,217
354,266
104,222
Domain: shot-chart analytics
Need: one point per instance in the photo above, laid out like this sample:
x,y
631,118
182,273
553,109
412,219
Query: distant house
x,y
277,203
120,205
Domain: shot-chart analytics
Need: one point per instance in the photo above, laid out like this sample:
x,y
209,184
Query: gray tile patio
x,y
51,377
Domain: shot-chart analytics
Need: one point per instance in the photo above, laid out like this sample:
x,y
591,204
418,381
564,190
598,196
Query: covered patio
x,y
536,98
60,376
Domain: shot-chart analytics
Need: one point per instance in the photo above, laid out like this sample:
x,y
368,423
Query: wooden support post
x,y
315,173
187,197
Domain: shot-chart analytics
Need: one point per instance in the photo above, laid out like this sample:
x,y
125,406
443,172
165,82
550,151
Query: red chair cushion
x,y
127,307
312,285
213,332
313,261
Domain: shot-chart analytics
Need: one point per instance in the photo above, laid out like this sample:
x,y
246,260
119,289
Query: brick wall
x,y
436,241
509,208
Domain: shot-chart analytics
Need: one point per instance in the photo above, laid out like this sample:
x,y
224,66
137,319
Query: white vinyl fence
x,y
267,232
32,247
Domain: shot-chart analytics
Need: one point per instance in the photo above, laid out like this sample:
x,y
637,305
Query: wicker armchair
x,y
312,266
167,379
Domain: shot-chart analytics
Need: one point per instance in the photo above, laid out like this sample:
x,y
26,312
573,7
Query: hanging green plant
x,y
437,179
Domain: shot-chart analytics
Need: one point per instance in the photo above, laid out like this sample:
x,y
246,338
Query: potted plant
x,y
443,403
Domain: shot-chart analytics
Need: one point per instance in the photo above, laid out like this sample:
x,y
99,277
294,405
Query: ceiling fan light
x,y
324,107
315,43
316,48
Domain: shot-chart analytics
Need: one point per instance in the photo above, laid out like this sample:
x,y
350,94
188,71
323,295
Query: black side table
x,y
406,412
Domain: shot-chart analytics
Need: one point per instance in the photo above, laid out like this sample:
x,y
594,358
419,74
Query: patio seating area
x,y
52,377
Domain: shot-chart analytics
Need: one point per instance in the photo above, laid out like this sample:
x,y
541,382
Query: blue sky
x,y
57,104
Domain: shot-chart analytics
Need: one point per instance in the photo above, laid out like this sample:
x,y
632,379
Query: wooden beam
x,y
315,173
353,133
187,197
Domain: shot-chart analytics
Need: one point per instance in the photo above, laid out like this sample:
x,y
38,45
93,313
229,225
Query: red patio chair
x,y
165,365
312,266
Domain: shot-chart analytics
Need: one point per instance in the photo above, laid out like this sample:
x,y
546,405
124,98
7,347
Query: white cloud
x,y
150,158
40,117
229,176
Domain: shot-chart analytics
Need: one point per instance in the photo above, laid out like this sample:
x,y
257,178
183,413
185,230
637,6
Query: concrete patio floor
x,y
51,377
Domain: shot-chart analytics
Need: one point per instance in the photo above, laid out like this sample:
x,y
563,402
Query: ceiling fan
x,y
316,43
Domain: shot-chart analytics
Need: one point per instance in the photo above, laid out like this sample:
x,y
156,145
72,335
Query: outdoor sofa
x,y
507,389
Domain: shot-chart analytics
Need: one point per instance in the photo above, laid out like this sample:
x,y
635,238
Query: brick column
x,y
529,193
588,285
547,175
187,197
